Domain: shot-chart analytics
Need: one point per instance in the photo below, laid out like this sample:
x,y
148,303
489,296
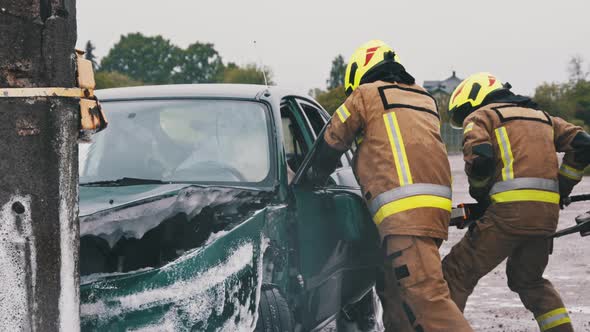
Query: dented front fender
x,y
213,287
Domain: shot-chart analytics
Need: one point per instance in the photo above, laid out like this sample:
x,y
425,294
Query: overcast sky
x,y
524,42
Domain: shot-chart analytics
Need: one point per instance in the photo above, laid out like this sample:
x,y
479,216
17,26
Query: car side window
x,y
317,119
294,142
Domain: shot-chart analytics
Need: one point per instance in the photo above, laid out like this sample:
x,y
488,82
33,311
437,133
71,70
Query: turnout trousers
x,y
413,292
484,247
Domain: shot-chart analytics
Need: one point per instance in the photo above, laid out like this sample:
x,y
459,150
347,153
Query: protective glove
x,y
563,202
565,189
581,145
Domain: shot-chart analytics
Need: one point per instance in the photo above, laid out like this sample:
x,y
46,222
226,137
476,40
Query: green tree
x,y
199,63
554,98
337,73
576,69
331,99
569,100
148,59
249,74
113,79
89,54
335,95
580,94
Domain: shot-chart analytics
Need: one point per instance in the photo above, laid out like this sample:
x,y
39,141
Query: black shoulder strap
x,y
503,118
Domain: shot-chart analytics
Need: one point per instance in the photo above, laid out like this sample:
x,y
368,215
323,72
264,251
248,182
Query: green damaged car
x,y
197,213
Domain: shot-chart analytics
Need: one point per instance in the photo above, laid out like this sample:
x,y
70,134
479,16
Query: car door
x,y
338,243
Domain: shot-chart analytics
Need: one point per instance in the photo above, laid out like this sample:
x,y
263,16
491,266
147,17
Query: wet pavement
x,y
493,307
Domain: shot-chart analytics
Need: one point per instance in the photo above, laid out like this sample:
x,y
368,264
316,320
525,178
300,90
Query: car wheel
x,y
274,314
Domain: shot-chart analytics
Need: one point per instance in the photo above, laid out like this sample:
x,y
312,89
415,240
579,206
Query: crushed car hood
x,y
168,257
112,213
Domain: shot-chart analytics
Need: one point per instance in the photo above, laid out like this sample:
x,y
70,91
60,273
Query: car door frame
x,y
328,283
326,117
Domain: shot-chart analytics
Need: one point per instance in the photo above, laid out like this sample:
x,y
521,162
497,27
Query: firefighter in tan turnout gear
x,y
510,158
405,176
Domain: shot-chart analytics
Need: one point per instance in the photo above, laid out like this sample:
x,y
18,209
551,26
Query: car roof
x,y
241,91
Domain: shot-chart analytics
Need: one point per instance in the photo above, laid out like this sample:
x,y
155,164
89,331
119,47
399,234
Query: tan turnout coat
x,y
524,142
401,164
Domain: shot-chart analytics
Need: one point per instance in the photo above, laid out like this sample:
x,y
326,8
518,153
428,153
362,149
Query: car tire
x,y
274,314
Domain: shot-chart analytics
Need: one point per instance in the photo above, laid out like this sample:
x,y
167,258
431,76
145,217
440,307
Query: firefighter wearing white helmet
x,y
510,159
404,173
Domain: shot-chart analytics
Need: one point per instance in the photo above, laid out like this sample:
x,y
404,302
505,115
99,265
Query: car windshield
x,y
204,141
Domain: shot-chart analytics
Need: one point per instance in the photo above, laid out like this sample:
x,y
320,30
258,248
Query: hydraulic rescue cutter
x,y
467,213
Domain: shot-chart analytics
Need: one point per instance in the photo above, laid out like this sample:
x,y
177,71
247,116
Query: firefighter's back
x,y
402,147
524,191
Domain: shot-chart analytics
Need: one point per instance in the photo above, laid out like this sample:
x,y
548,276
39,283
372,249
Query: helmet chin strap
x,y
390,71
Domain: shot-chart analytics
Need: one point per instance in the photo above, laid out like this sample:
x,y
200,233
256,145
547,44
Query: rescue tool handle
x,y
466,213
583,228
576,198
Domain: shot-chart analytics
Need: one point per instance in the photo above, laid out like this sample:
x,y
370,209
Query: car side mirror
x,y
350,214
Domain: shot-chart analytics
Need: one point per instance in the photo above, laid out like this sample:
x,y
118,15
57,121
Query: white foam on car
x,y
87,279
248,319
198,297
135,221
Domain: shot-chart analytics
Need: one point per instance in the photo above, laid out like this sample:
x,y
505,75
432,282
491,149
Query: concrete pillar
x,y
39,281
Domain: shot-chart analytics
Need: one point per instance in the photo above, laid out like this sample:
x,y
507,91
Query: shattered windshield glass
x,y
208,141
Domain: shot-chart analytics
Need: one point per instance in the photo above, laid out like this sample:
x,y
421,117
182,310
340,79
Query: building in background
x,y
441,91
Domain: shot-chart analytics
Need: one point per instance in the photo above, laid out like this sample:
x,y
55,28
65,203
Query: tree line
x,y
571,99
137,60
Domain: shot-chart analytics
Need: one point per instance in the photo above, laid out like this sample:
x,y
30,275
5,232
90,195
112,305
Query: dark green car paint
x,y
318,245
337,260
225,272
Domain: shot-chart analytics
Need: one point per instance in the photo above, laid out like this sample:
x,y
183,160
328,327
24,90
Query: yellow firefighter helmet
x,y
470,94
364,59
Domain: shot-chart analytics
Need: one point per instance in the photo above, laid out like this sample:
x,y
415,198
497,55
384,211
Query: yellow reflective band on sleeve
x,y
571,173
468,128
506,153
343,113
413,202
526,195
553,318
398,149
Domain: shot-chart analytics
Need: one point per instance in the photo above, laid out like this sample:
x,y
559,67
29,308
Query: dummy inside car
x,y
198,212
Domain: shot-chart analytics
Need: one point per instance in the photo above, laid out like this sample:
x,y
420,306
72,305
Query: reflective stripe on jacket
x,y
402,164
410,197
525,189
